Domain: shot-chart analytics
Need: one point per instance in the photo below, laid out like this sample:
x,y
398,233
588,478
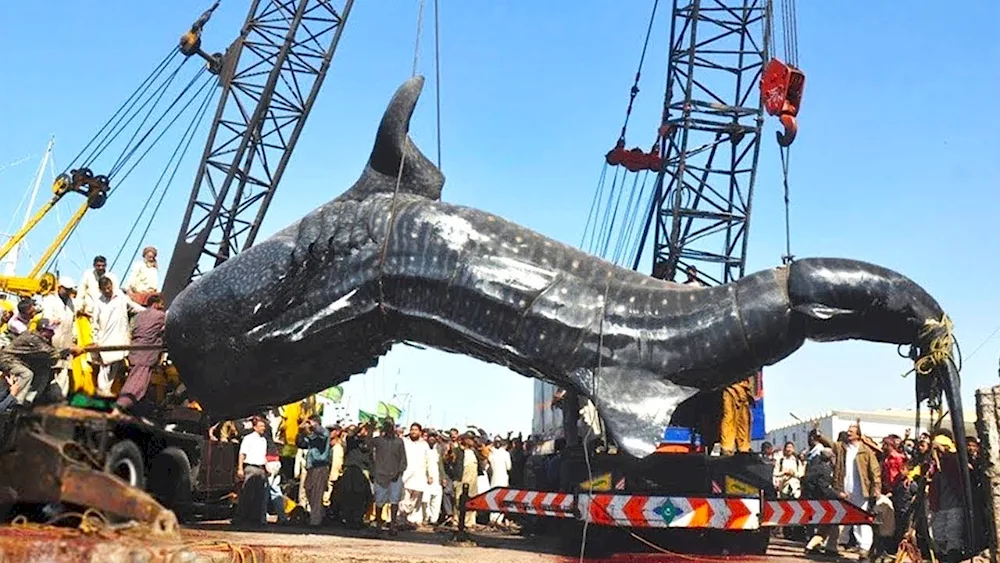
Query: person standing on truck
x,y
28,362
734,426
89,290
144,279
150,324
314,439
251,507
19,323
59,309
390,463
111,328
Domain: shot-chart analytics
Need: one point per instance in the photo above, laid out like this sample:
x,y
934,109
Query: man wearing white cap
x,y
58,308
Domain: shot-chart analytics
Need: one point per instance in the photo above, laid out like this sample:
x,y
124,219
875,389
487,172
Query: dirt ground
x,y
218,543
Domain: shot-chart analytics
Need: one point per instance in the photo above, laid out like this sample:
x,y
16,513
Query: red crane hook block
x,y
635,159
781,87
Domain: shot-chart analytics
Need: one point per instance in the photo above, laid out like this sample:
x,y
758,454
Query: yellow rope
x,y
939,350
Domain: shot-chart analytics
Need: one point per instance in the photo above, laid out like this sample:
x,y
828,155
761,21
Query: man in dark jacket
x,y
390,463
28,362
315,439
817,484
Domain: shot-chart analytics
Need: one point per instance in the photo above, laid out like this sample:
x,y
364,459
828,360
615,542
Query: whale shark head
x,y
218,326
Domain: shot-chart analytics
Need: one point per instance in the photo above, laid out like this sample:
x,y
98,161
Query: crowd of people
x,y
375,474
40,339
911,484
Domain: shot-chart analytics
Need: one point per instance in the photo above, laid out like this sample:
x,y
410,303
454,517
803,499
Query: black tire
x,y
169,480
125,462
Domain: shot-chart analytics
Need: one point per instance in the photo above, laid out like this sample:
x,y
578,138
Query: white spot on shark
x,y
456,231
297,329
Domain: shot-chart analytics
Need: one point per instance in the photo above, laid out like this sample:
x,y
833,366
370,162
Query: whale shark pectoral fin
x,y
633,403
392,142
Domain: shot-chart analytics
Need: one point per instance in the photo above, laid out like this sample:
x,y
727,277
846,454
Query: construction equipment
x,y
289,43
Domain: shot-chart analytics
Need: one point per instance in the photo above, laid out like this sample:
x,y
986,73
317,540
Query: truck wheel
x,y
169,480
125,462
756,542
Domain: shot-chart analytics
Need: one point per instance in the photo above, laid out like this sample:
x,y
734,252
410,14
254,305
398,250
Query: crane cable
x,y
591,232
150,146
790,47
180,151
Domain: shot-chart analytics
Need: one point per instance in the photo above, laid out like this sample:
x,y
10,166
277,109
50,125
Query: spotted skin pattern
x,y
326,297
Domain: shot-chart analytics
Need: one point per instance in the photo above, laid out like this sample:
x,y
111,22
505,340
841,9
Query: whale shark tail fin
x,y
633,403
394,149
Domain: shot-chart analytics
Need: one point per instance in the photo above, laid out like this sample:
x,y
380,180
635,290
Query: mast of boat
x,y
10,262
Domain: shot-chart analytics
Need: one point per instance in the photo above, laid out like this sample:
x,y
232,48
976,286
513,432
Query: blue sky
x,y
894,163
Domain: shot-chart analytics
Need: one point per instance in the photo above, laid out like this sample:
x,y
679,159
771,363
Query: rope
x,y
399,175
940,348
593,398
126,106
786,158
437,81
185,142
638,73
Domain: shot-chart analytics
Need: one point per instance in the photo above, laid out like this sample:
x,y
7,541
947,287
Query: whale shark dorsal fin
x,y
420,175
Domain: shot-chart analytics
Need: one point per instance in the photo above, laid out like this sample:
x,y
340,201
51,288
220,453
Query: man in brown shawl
x,y
148,331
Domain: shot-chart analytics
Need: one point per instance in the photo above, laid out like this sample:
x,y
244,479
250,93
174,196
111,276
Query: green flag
x,y
385,410
364,417
335,393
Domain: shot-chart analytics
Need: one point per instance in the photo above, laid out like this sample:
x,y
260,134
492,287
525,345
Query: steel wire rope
x,y
437,80
628,112
141,88
149,148
124,159
161,91
399,174
628,218
593,205
157,94
636,221
122,179
602,231
791,53
185,141
650,200
613,212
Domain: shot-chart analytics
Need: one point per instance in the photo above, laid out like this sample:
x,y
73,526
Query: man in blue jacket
x,y
316,441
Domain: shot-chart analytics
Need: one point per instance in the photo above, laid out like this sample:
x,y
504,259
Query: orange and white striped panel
x,y
642,511
805,512
519,501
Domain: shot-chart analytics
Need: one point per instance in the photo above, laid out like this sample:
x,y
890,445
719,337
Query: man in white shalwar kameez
x,y
111,328
500,464
416,476
59,309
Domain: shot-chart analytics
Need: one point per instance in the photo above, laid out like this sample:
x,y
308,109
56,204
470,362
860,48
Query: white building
x,y
876,424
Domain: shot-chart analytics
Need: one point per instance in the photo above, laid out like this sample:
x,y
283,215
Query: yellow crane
x,y
39,282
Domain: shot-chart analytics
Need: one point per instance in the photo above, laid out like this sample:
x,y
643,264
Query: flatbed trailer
x,y
122,466
728,501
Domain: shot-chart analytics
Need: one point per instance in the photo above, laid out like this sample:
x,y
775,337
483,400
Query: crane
x,y
685,203
269,78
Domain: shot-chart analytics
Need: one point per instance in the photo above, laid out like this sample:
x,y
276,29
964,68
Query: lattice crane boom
x,y
270,77
713,116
